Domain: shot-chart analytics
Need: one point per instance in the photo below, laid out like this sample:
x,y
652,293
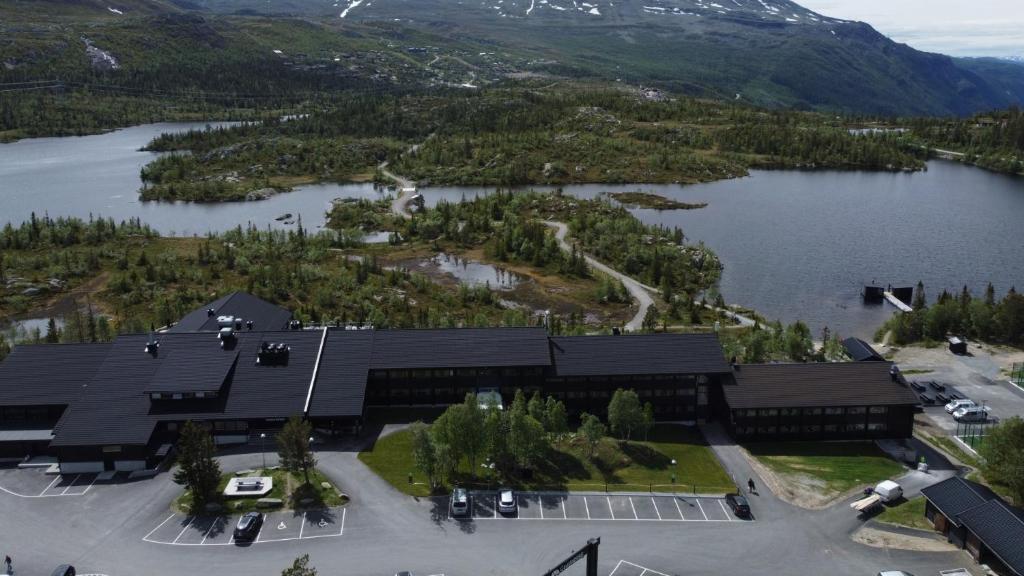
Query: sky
x,y
954,27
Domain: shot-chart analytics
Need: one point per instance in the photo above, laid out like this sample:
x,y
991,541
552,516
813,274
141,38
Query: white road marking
x,y
645,570
727,515
343,510
564,515
655,504
701,509
77,476
610,511
517,506
146,537
540,504
210,529
678,509
190,519
55,480
94,478
635,517
495,505
302,526
260,533
587,506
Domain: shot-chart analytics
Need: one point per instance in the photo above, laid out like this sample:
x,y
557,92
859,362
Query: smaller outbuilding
x,y
861,351
957,346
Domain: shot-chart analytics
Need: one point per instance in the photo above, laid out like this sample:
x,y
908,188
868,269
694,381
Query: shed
x,y
861,351
957,345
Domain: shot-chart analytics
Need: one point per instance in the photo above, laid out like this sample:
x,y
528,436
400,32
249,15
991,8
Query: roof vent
x,y
248,324
295,325
238,323
271,354
225,335
152,345
210,312
225,321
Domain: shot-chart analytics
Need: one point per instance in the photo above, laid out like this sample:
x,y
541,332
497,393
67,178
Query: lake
x,y
795,244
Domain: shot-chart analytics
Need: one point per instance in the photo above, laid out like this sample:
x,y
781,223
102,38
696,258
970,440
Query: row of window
x,y
216,425
181,395
811,429
835,411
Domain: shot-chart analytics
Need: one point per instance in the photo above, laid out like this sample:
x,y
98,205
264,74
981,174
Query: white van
x,y
889,491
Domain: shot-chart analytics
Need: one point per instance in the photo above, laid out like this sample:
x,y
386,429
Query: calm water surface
x,y
795,245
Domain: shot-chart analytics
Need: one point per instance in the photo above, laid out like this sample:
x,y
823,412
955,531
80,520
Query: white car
x,y
958,404
971,414
460,502
506,501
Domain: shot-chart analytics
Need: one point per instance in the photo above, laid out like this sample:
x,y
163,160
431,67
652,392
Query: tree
x,y
591,430
423,452
798,343
293,446
650,322
470,430
535,407
556,419
300,567
197,470
527,439
648,422
1003,451
625,414
496,430
920,299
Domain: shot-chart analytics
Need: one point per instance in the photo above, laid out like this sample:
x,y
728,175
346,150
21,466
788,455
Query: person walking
x,y
7,563
750,486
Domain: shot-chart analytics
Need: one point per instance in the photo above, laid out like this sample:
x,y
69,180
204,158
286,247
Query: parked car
x,y
894,573
958,404
739,505
506,501
971,414
248,526
403,573
460,502
63,570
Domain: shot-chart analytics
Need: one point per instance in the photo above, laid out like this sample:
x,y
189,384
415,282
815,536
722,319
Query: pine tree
x,y
294,446
197,470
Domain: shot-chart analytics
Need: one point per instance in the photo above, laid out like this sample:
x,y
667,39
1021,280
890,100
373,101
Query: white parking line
x,y
644,570
517,506
564,515
495,505
146,537
678,509
540,504
260,533
610,511
94,478
302,526
701,510
210,529
77,476
655,504
635,517
342,533
191,518
727,515
55,480
587,506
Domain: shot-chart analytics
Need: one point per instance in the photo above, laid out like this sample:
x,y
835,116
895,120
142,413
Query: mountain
x,y
766,52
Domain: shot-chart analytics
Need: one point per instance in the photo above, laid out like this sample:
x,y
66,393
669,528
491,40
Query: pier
x,y
897,302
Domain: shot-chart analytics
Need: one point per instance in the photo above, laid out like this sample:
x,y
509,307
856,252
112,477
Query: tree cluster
x,y
986,318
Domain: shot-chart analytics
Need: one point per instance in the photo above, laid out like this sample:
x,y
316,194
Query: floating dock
x,y
897,302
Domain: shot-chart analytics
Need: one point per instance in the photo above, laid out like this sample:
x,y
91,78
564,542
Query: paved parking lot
x,y
218,530
36,483
607,507
626,568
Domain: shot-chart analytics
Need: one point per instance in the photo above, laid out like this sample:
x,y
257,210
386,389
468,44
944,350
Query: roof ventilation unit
x,y
225,321
238,323
210,312
248,324
271,354
226,335
295,325
152,345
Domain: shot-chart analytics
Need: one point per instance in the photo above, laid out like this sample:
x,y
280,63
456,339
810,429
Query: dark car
x,y
248,526
63,570
739,505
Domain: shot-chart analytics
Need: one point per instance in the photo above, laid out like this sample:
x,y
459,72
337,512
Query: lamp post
x,y
263,451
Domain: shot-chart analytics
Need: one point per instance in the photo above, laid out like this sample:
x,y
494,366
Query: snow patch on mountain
x,y
351,5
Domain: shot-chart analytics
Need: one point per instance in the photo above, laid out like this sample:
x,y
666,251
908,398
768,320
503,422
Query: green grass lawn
x,y
290,488
909,513
839,466
615,465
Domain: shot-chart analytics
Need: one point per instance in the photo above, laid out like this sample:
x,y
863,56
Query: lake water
x,y
795,244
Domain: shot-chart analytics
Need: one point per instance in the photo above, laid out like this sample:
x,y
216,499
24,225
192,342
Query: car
x,y
958,404
403,573
460,502
248,527
506,501
739,505
971,414
894,573
63,570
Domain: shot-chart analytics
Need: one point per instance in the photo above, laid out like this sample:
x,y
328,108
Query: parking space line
x,y
655,504
587,507
77,476
517,507
540,504
302,526
146,537
495,505
90,485
635,517
342,533
55,480
564,515
191,518
208,530
610,511
678,509
727,515
701,510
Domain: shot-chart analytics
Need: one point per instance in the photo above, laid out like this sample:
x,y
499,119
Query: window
x,y
831,428
172,426
752,413
879,409
855,427
812,428
877,426
812,411
833,411
856,410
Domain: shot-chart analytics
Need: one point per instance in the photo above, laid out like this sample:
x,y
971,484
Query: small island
x,y
646,200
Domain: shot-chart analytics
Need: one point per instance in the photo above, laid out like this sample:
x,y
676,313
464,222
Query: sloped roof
x,y
816,385
48,374
956,495
264,315
196,365
460,348
341,381
861,351
640,354
1001,528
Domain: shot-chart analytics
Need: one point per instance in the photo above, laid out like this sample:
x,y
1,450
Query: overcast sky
x,y
955,27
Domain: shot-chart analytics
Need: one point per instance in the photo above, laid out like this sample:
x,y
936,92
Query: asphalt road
x,y
102,531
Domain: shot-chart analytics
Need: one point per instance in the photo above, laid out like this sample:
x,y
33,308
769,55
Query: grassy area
x,y
835,466
289,488
616,465
909,513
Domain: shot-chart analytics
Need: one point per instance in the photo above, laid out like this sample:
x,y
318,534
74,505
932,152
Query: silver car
x,y
506,501
958,404
460,502
971,414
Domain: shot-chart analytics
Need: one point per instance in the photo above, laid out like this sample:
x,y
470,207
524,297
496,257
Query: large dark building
x,y
119,406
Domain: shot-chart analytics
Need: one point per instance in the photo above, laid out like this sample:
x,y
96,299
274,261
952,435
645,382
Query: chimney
x,y
152,345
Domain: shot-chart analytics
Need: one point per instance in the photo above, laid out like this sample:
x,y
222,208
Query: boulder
x,y
269,502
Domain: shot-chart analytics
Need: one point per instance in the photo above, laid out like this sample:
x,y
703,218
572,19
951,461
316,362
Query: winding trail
x,y
400,204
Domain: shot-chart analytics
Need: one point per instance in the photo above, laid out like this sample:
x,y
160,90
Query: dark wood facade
x,y
822,423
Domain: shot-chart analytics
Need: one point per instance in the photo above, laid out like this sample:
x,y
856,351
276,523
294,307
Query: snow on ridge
x,y
530,9
351,5
115,11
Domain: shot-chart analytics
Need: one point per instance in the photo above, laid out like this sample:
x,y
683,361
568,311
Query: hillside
x,y
762,52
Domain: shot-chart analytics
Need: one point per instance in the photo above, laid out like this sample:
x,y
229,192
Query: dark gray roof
x,y
816,385
1001,528
956,495
264,315
460,348
341,380
48,374
195,365
639,354
116,409
861,351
